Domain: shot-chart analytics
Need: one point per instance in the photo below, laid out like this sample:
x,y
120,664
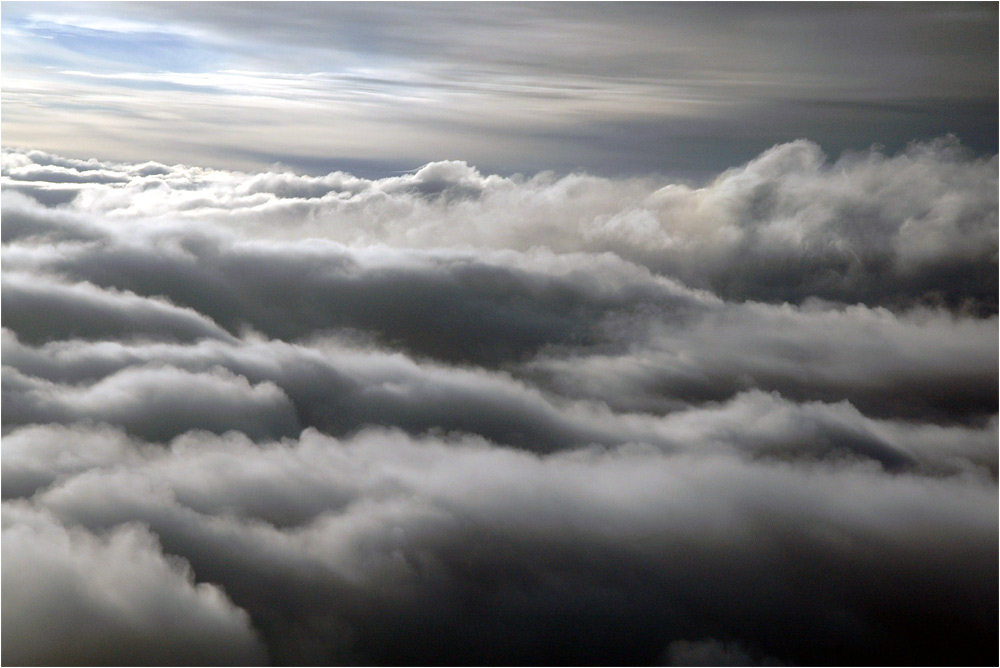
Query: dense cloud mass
x,y
455,418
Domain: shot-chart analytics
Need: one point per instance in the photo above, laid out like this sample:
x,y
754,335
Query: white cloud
x,y
785,226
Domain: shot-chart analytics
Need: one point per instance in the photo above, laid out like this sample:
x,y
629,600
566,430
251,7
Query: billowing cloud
x,y
158,390
157,402
451,417
382,546
920,226
72,597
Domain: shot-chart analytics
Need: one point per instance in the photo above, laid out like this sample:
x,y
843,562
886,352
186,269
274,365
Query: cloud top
x,y
454,417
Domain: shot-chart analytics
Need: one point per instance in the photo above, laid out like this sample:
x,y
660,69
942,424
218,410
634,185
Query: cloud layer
x,y
451,418
612,88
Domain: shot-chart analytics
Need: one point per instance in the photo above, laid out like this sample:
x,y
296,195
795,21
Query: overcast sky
x,y
308,360
681,89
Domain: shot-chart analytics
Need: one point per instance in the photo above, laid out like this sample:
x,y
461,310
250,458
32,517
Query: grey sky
x,y
450,418
681,89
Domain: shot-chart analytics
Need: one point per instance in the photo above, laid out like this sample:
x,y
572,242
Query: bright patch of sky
x,y
104,44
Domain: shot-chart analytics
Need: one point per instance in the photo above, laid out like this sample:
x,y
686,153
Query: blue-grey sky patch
x,y
681,89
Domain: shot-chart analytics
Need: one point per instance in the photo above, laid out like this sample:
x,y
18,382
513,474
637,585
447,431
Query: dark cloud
x,y
451,306
23,220
340,389
41,310
72,597
390,550
451,418
47,196
156,403
920,364
65,175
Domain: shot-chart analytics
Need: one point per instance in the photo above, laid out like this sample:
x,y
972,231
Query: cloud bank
x,y
452,418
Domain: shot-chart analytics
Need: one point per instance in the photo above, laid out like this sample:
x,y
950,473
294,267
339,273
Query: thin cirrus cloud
x,y
609,88
457,417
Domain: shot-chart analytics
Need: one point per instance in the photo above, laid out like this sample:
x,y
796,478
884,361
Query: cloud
x,y
916,227
586,326
156,403
456,306
55,174
656,88
41,309
453,417
159,390
30,216
711,652
387,548
74,597
917,364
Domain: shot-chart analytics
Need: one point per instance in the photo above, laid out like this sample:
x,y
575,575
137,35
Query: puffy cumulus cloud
x,y
155,402
73,597
18,162
336,389
918,226
447,417
389,549
658,341
918,364
866,228
31,217
33,457
457,306
268,388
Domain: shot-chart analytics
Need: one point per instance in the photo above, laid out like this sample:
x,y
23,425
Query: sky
x,y
499,334
685,90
